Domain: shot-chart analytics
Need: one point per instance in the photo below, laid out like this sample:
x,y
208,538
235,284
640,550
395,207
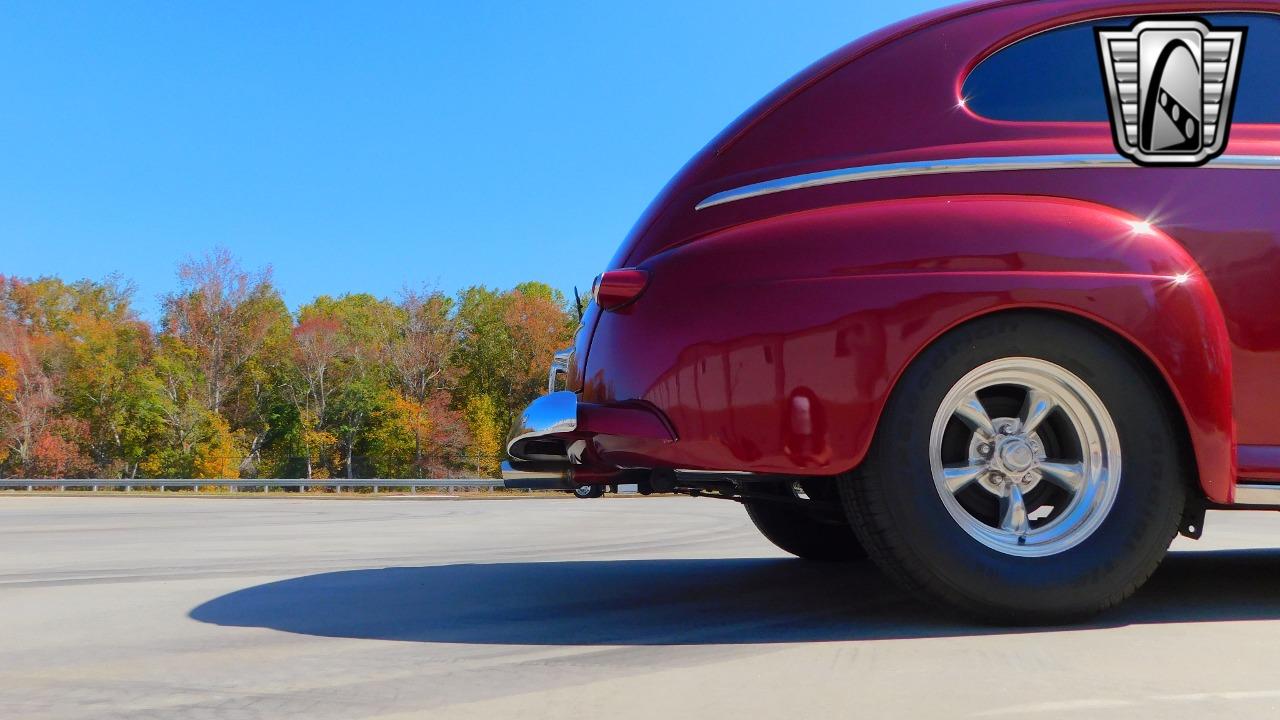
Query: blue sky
x,y
370,146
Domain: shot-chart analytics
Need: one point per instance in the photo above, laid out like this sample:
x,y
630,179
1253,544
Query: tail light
x,y
616,288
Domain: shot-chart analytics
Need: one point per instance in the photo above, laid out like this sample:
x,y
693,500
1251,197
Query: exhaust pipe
x,y
533,475
528,475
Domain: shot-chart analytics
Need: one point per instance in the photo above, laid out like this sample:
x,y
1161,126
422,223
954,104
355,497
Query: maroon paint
x,y
773,328
632,420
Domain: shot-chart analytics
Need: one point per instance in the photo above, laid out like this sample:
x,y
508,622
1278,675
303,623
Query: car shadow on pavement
x,y
671,602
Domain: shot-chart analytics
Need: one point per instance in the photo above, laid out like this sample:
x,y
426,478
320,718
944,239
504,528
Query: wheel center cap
x,y
1016,455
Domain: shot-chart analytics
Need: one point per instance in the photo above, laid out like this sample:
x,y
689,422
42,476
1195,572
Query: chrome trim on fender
x,y
1261,494
962,165
682,472
550,414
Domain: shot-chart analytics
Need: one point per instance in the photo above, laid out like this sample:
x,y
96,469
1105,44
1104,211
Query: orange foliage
x,y
216,456
231,382
57,452
537,325
8,377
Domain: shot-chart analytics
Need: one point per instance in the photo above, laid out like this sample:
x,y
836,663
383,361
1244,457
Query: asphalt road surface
x,y
118,607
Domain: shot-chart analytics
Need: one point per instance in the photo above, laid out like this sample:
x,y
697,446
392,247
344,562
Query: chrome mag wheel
x,y
1025,457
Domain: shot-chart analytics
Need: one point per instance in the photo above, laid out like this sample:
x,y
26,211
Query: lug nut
x,y
984,449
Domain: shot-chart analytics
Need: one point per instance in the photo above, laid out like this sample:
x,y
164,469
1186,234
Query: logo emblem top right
x,y
1171,87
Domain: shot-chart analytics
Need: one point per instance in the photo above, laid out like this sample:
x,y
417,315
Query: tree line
x,y
230,384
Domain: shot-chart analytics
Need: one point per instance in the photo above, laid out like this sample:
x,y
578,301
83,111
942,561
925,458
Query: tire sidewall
x,y
1124,548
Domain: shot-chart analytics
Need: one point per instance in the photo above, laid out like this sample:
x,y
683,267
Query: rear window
x,y
1055,76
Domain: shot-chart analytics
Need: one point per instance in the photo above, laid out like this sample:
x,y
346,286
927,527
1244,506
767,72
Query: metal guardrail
x,y
265,484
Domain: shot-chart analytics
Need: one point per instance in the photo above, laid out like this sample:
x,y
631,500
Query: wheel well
x,y
1139,357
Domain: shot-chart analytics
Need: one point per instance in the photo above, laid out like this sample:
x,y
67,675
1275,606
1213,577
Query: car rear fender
x,y
803,322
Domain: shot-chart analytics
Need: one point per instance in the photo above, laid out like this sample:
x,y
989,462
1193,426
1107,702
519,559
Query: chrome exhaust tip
x,y
526,475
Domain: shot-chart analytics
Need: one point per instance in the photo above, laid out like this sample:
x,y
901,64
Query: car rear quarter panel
x,y
772,346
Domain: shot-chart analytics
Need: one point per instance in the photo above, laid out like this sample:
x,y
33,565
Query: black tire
x,y
588,491
899,516
812,534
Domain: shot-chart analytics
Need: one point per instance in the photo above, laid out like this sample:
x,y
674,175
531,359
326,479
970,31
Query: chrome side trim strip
x,y
715,473
1257,494
962,165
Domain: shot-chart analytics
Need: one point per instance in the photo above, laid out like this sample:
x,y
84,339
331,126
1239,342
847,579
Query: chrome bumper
x,y
551,414
553,443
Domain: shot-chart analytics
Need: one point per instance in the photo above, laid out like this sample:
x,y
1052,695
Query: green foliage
x,y
505,342
232,384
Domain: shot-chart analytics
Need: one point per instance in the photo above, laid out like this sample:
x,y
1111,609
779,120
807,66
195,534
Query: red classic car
x,y
991,295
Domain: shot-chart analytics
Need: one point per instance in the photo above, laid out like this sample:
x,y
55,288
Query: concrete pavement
x,y
120,607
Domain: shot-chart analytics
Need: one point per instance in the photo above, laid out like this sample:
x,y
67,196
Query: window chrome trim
x,y
963,165
1167,14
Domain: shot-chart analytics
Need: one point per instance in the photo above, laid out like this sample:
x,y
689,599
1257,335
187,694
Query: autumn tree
x,y
507,341
486,446
196,441
539,326
8,378
8,394
317,345
224,314
216,454
420,350
256,407
58,450
33,402
237,328
419,357
107,379
408,439
9,371
230,383
368,328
